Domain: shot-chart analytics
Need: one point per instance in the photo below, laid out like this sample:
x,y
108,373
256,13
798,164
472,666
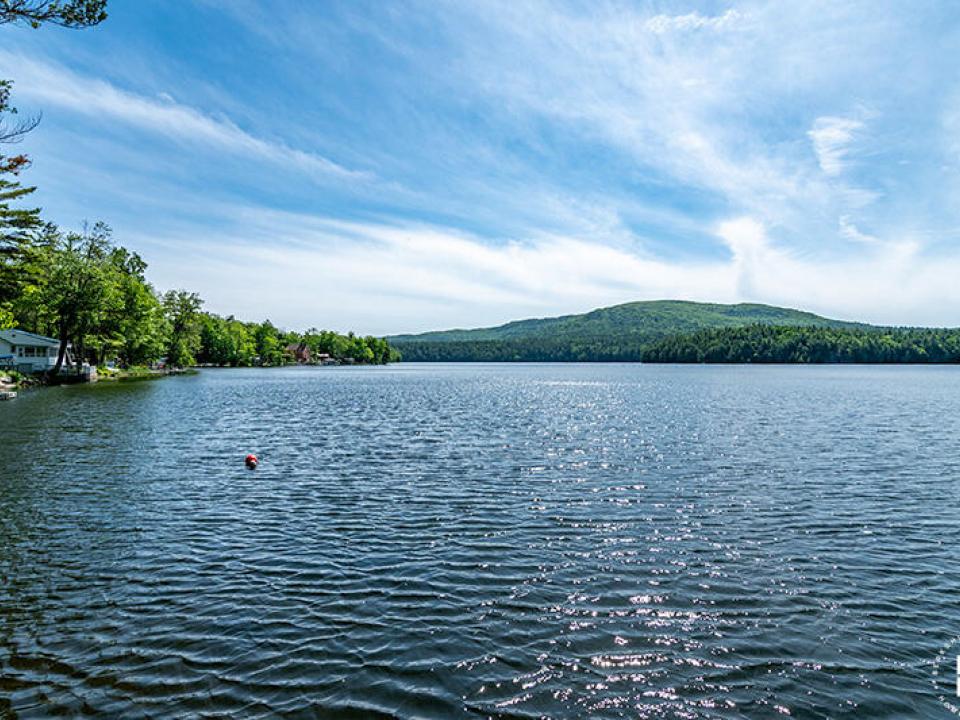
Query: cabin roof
x,y
22,337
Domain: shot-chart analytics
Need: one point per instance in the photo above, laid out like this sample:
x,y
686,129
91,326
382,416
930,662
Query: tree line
x,y
87,291
598,349
789,344
231,342
83,289
759,343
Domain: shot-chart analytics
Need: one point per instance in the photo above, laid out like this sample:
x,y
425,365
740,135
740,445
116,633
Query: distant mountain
x,y
621,332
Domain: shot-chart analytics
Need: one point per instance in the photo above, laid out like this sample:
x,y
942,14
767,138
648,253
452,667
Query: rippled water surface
x,y
441,541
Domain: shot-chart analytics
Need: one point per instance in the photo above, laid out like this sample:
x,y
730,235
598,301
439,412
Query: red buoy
x,y
251,461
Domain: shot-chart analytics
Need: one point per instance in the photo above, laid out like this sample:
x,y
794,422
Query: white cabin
x,y
27,352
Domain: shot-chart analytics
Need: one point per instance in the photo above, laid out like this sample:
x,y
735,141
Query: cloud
x,y
852,232
49,84
690,109
718,109
389,278
747,241
831,138
893,283
552,160
660,24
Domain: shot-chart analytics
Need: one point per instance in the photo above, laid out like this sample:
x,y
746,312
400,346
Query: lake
x,y
513,541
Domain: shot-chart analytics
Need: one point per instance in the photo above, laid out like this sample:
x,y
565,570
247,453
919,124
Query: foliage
x,y
76,290
92,294
87,291
269,343
182,309
66,13
779,344
757,343
140,327
16,223
532,350
230,342
226,341
619,333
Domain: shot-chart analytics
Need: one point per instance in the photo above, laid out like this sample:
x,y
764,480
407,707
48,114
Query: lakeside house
x,y
27,352
300,352
30,353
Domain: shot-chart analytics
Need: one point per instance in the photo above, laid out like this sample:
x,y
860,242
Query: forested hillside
x,y
772,344
619,333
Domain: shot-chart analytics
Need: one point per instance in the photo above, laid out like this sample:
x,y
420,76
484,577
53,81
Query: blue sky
x,y
394,167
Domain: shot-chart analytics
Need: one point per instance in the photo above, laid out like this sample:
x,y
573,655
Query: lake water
x,y
516,541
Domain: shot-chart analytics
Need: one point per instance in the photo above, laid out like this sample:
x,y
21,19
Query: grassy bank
x,y
138,373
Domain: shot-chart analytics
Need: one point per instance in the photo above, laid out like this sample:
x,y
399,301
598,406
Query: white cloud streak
x,y
54,85
634,82
851,232
384,279
661,24
831,138
744,115
703,102
388,279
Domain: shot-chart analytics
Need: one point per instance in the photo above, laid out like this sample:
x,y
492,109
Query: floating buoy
x,y
251,461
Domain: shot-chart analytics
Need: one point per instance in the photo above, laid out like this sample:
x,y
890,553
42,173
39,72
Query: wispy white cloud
x,y
47,84
552,160
388,278
694,21
385,279
722,106
890,283
851,232
677,103
831,138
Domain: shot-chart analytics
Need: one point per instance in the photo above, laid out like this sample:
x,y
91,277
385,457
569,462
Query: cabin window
x,y
19,352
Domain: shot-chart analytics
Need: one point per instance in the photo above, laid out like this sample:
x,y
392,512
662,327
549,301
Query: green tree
x,y
16,223
136,329
182,310
268,343
226,341
77,283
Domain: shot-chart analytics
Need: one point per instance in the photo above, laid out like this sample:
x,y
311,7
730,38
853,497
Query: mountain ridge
x,y
618,332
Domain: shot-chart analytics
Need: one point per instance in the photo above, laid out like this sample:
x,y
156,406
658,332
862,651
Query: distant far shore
x,y
674,331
